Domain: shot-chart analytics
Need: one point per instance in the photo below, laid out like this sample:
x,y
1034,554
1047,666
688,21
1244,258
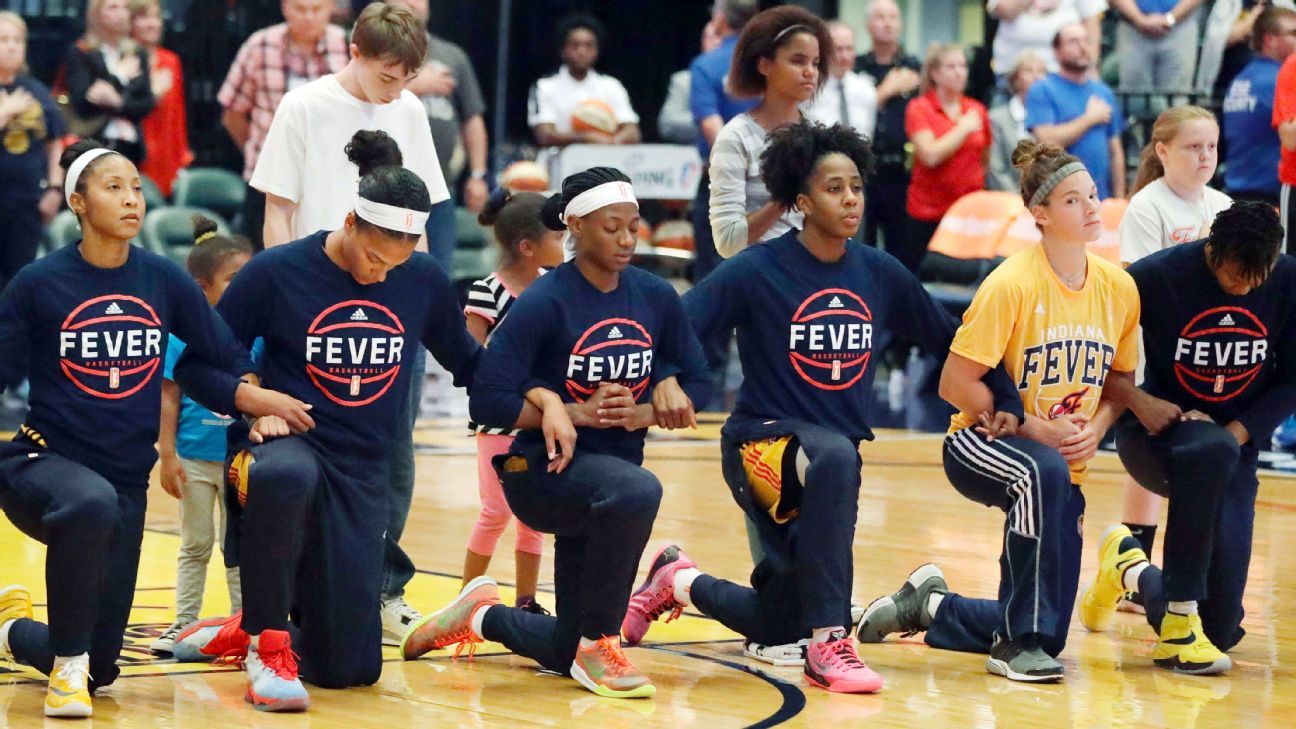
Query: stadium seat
x,y
213,188
964,248
474,256
62,230
1108,246
153,197
168,231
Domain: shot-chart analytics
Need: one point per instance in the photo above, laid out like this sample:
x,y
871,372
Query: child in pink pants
x,y
527,249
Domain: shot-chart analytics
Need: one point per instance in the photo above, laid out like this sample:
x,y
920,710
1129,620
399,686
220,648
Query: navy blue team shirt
x,y
565,335
342,346
808,331
93,342
1231,357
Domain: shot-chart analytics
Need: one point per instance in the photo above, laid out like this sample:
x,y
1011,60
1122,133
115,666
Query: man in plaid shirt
x,y
271,63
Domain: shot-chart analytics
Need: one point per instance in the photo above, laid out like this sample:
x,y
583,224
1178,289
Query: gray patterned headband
x,y
1052,181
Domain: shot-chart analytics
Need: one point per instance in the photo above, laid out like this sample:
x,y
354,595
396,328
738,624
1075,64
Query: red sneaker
x,y
214,639
834,665
656,595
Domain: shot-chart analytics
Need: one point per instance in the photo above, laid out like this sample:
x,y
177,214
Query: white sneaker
x,y
789,654
165,643
397,618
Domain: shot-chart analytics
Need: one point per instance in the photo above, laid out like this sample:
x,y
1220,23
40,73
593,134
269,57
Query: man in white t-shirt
x,y
846,97
303,169
310,185
1031,24
554,99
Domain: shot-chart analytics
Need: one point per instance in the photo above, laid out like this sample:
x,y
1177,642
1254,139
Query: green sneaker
x,y
451,625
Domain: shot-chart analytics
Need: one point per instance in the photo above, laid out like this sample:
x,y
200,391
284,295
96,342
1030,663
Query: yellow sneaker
x,y
69,692
1098,607
15,602
1184,647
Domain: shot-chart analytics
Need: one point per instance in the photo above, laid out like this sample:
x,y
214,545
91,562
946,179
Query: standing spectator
x,y
108,81
448,88
1226,45
1251,144
1008,123
310,183
1157,44
1073,110
951,137
272,62
1029,25
675,120
713,106
1284,121
166,133
577,91
897,79
777,60
847,97
29,160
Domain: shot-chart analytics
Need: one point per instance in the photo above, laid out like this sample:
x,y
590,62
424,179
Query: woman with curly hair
x,y
811,308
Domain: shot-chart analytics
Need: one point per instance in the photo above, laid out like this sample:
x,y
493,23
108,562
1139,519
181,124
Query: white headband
x,y
390,217
77,167
600,196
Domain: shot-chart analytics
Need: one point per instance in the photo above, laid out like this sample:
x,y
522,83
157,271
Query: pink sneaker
x,y
656,595
835,666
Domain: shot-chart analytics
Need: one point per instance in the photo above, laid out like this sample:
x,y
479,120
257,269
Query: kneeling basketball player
x,y
1221,372
340,313
568,368
88,325
810,308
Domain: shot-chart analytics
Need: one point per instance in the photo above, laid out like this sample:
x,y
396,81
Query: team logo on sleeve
x,y
1220,352
111,346
613,350
830,339
354,351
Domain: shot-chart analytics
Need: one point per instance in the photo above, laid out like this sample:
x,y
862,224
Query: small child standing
x,y
527,249
191,443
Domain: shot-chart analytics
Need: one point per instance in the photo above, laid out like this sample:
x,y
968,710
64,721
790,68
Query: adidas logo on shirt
x,y
113,309
835,303
615,333
1227,321
359,315
1039,309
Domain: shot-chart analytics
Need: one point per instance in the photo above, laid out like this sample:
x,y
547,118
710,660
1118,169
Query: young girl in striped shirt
x,y
527,249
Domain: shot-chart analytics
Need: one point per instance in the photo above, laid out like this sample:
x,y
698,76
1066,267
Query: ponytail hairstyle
x,y
573,185
384,180
1165,129
515,217
211,249
1037,161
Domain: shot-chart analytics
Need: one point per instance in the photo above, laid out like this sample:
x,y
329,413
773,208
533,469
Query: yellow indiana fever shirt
x,y
1057,344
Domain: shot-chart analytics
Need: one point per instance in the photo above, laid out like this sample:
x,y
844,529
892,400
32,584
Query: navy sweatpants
x,y
93,529
600,510
804,580
1039,567
1211,484
310,545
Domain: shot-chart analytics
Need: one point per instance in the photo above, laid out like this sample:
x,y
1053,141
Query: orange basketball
x,y
524,176
593,115
674,234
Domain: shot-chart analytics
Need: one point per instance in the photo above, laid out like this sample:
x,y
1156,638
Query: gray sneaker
x,y
1022,661
903,611
165,643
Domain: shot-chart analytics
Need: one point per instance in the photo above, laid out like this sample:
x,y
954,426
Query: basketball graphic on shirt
x,y
593,115
354,351
830,339
111,346
1220,352
614,350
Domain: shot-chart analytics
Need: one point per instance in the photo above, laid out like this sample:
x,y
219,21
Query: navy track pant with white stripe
x,y
1039,567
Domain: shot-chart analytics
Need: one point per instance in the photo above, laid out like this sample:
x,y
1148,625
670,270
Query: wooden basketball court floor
x,y
908,514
